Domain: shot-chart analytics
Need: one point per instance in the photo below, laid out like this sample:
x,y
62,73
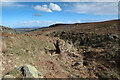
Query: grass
x,y
15,73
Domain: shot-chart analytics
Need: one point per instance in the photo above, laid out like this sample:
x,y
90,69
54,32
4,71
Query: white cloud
x,y
41,22
78,21
72,22
12,4
42,8
55,7
36,23
45,8
31,22
7,4
95,8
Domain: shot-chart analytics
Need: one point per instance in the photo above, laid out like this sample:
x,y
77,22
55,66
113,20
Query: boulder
x,y
31,71
26,71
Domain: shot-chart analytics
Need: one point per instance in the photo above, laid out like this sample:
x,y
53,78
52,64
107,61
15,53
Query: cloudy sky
x,y
42,14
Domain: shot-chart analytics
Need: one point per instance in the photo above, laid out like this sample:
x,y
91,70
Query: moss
x,y
15,73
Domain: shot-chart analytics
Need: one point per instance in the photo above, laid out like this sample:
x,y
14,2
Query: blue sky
x,y
42,14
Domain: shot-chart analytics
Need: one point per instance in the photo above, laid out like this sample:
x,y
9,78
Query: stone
x,y
9,76
26,71
31,71
110,37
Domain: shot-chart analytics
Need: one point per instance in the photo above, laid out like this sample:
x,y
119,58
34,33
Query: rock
x,y
31,71
9,76
26,71
110,37
115,36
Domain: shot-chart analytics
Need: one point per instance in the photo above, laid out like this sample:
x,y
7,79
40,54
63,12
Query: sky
x,y
43,14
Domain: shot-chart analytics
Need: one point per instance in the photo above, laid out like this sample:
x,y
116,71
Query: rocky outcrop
x,y
26,71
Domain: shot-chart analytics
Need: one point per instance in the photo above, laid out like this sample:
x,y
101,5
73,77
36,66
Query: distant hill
x,y
24,29
56,25
104,27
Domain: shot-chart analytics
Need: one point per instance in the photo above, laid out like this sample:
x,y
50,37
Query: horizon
x,y
34,27
44,14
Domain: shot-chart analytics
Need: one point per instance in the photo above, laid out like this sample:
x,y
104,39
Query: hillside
x,y
5,28
84,50
105,27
